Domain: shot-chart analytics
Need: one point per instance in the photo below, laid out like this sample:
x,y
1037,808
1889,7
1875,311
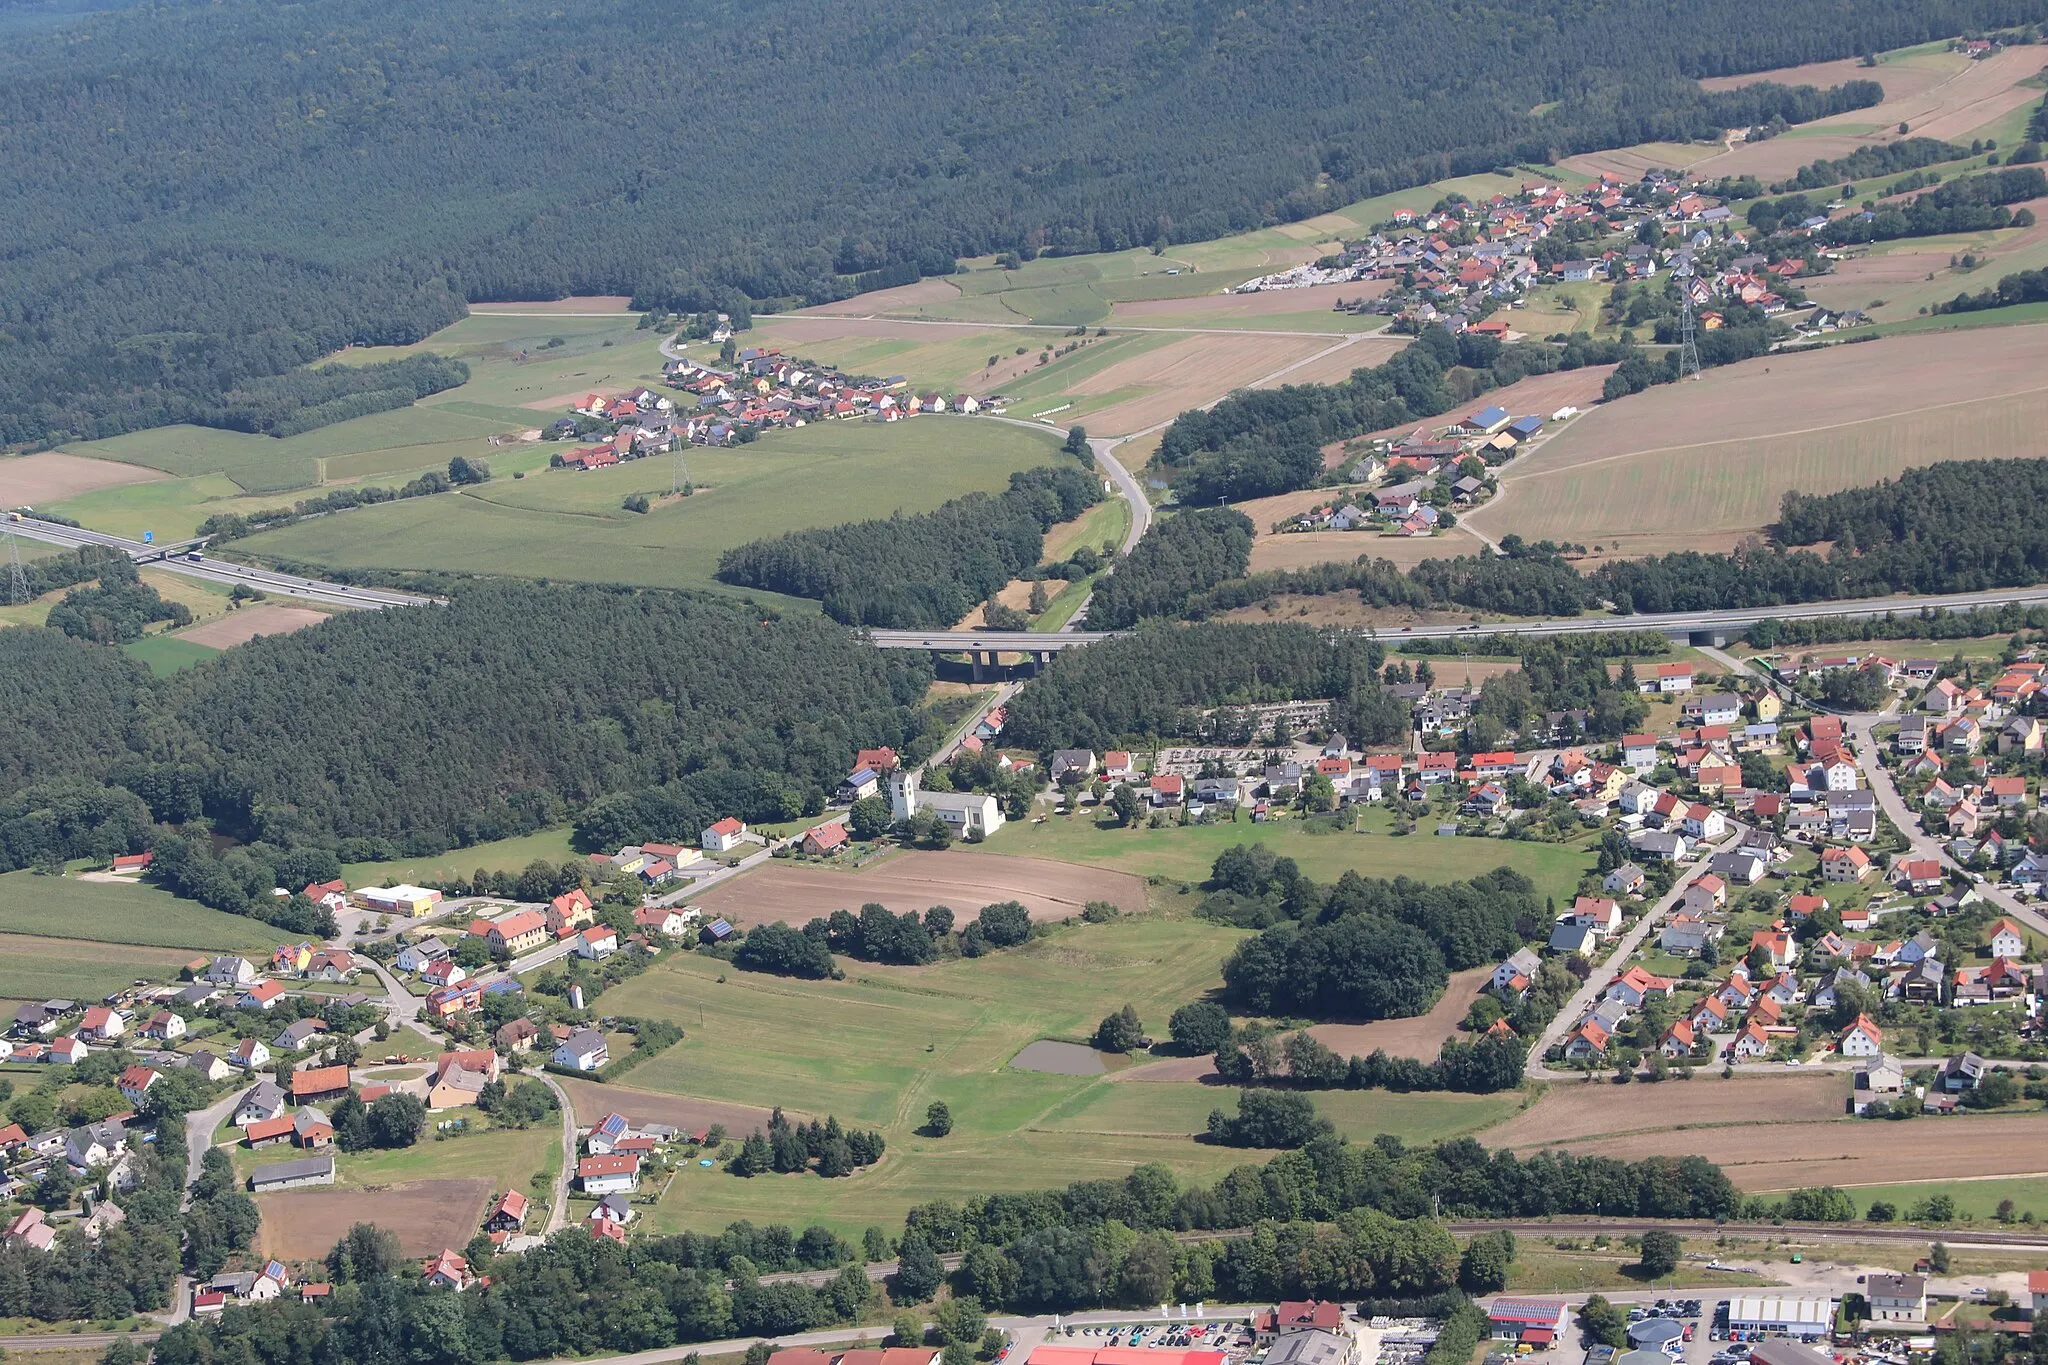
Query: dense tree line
x,y
782,951
302,399
2022,286
1865,163
1971,203
924,571
1331,1219
49,824
379,733
1176,558
116,608
1375,580
1160,682
788,1148
877,934
240,880
1364,948
374,207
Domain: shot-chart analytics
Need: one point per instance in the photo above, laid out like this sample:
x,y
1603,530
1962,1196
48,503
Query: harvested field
x,y
240,627
1298,549
304,1225
1935,94
1848,1152
1223,307
1422,1036
1162,383
585,303
915,881
1899,78
1897,273
1335,366
883,300
1571,1110
1818,422
32,480
593,1101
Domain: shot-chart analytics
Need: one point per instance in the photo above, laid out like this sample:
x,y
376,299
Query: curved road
x,y
279,585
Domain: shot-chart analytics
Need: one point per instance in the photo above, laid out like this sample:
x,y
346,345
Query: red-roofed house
x,y
1861,1039
723,836
1918,876
135,1083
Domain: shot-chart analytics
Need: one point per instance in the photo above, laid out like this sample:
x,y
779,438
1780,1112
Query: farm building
x,y
291,1175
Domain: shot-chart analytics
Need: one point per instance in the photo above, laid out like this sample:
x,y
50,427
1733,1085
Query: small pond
x,y
1062,1059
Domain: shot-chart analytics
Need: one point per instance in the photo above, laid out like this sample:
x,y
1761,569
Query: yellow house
x,y
519,932
292,957
1768,707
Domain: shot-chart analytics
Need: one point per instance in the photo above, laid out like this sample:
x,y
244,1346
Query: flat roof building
x,y
1805,1318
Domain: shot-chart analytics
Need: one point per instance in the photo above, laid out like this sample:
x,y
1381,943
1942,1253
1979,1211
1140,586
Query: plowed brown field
x,y
916,881
304,1225
31,480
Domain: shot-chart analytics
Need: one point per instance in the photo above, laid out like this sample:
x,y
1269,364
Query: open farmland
x,y
33,968
427,1215
1936,93
1817,422
915,881
1570,1112
592,1101
123,913
901,1037
48,476
1891,281
240,627
1190,371
1186,853
570,525
499,855
1784,1156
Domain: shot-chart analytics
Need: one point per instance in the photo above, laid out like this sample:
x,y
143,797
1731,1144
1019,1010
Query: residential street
x,y
1615,962
1923,845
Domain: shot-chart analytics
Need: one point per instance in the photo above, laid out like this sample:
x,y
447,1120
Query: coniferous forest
x,y
197,197
388,732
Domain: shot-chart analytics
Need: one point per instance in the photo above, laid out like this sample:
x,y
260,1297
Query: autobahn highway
x,y
1679,625
278,585
1724,624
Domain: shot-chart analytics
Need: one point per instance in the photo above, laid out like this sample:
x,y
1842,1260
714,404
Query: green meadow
x,y
1185,853
877,1048
112,912
572,525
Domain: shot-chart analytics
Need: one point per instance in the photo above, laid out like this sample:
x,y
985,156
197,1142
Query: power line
x,y
1688,342
17,588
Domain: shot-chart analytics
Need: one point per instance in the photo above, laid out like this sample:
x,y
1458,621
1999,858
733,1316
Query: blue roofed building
x,y
1487,421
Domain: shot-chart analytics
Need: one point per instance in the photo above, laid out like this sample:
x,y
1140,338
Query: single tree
x,y
1119,1032
938,1119
1660,1252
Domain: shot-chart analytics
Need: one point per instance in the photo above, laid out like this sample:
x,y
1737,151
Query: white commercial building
x,y
1805,1318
